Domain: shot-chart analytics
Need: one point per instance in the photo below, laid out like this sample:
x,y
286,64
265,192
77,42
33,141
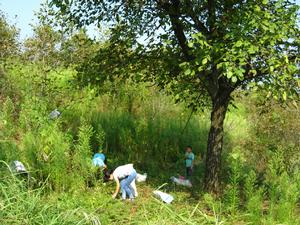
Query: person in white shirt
x,y
124,176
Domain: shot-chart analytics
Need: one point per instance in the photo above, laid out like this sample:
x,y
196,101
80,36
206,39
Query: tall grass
x,y
259,176
22,205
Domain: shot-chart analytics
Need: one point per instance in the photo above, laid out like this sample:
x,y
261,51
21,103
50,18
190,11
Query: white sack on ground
x,y
54,114
164,196
18,167
141,177
183,182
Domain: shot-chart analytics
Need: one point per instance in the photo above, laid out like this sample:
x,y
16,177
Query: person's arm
x,y
117,187
186,156
193,160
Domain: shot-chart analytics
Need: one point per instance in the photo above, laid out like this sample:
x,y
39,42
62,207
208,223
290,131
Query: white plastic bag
x,y
167,198
18,167
54,114
181,181
141,177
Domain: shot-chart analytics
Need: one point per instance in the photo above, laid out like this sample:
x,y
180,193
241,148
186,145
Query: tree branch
x,y
211,21
191,13
173,10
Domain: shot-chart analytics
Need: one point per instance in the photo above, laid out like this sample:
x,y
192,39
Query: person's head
x,y
188,148
108,174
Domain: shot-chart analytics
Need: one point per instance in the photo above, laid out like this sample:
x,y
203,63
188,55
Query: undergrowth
x,y
260,180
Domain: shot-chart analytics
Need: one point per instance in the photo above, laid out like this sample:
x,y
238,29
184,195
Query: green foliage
x,y
117,106
78,49
261,49
202,53
134,123
9,150
282,190
255,207
81,157
216,207
100,137
253,198
7,114
9,45
20,205
42,47
54,156
232,191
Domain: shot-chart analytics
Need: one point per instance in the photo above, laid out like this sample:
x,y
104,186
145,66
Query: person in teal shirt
x,y
99,160
189,161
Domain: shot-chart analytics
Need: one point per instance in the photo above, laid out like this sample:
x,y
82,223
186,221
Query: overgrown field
x,y
137,123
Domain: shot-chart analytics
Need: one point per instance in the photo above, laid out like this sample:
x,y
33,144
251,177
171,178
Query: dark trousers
x,y
189,172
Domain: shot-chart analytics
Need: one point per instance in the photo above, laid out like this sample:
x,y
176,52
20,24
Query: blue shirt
x,y
189,158
98,159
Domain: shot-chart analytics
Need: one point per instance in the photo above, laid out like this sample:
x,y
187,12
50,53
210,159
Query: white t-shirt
x,y
123,171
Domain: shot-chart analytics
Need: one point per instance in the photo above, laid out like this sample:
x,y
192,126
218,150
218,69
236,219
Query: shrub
x,y
232,192
81,157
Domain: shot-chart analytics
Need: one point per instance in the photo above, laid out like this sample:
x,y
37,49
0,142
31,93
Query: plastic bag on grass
x,y
54,114
182,181
141,177
18,167
167,198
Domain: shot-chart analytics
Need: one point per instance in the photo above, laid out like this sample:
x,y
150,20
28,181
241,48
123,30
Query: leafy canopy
x,y
201,48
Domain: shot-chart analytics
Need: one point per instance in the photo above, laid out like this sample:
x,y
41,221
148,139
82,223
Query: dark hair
x,y
190,147
106,174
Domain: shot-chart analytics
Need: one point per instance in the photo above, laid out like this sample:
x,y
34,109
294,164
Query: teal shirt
x,y
189,157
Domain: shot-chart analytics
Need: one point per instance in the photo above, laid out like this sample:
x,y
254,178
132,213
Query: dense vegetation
x,y
133,120
203,51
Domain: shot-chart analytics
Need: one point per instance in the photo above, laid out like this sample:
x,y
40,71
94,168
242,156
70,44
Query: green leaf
x,y
183,64
238,43
251,50
190,44
257,8
284,95
200,68
234,79
187,72
204,61
229,74
253,71
220,65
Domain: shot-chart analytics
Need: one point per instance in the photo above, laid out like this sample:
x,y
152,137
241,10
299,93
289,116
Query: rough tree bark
x,y
215,142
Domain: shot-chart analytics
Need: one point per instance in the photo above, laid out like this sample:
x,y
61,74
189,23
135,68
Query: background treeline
x,y
130,121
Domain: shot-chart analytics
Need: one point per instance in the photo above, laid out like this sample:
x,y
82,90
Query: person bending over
x,y
124,176
99,160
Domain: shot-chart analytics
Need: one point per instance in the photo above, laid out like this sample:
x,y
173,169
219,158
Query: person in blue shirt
x,y
189,161
99,160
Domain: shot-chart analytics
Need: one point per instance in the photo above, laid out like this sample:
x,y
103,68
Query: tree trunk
x,y
215,143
